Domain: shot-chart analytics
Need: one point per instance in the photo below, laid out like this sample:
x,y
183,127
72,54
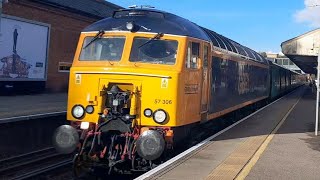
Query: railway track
x,y
33,164
46,162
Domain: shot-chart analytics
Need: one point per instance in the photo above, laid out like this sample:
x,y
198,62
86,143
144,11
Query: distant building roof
x,y
93,8
302,36
303,50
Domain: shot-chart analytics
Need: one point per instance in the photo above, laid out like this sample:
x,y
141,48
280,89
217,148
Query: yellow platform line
x,y
247,168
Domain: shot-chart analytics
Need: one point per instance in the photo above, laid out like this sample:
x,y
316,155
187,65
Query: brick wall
x,y
64,34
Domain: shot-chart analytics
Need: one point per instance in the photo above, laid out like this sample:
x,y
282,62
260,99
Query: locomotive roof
x,y
225,43
151,20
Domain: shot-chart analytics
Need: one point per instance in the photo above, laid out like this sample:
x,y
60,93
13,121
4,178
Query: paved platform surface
x,y
290,153
294,152
12,106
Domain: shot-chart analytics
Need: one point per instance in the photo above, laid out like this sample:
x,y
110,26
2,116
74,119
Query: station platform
x,y
26,105
277,142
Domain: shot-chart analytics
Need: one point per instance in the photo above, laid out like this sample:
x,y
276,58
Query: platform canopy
x,y
303,50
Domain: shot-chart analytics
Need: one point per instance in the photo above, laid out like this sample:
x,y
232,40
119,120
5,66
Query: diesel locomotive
x,y
143,78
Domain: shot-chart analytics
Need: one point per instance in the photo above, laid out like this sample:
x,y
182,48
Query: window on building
x,y
285,62
64,66
193,53
279,61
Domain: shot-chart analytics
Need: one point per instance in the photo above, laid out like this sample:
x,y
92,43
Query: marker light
x,y
127,117
77,111
159,116
147,112
84,125
89,109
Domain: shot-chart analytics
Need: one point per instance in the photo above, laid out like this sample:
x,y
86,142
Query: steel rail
x,y
30,117
42,170
27,155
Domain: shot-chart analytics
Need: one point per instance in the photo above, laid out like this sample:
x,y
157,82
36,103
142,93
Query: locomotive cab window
x,y
155,51
193,55
102,49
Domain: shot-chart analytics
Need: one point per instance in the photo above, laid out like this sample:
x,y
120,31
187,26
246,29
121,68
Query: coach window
x,y
193,55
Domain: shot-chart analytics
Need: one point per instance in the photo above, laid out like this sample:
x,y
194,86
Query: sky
x,y
261,25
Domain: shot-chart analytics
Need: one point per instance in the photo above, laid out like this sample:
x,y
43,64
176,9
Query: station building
x,y
304,50
283,61
38,39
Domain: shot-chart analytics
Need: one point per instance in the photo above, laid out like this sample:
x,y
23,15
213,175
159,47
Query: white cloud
x,y
310,14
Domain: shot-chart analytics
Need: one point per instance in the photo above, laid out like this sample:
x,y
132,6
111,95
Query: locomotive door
x,y
193,79
205,81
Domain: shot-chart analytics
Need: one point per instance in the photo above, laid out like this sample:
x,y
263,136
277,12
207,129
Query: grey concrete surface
x,y
11,106
205,161
294,152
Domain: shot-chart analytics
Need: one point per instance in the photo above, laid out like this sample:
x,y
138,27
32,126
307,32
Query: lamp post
x,y
317,102
317,84
1,2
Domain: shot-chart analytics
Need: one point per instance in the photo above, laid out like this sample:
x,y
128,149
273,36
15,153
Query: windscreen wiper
x,y
157,36
97,36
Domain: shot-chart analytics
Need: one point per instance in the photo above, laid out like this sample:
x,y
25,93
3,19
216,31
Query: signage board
x,y
23,50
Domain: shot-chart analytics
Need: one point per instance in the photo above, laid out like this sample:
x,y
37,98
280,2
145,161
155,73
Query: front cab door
x,y
193,82
205,81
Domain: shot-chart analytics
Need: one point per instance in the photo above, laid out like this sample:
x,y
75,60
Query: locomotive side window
x,y
205,56
156,51
102,49
193,54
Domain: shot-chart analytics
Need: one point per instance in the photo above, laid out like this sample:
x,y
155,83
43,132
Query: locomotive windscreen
x,y
154,51
106,48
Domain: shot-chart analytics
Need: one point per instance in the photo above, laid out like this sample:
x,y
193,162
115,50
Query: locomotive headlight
x,y
147,112
159,116
89,109
84,125
130,26
77,111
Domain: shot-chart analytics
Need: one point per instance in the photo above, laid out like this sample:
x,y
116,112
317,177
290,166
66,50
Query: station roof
x,y
303,50
94,8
